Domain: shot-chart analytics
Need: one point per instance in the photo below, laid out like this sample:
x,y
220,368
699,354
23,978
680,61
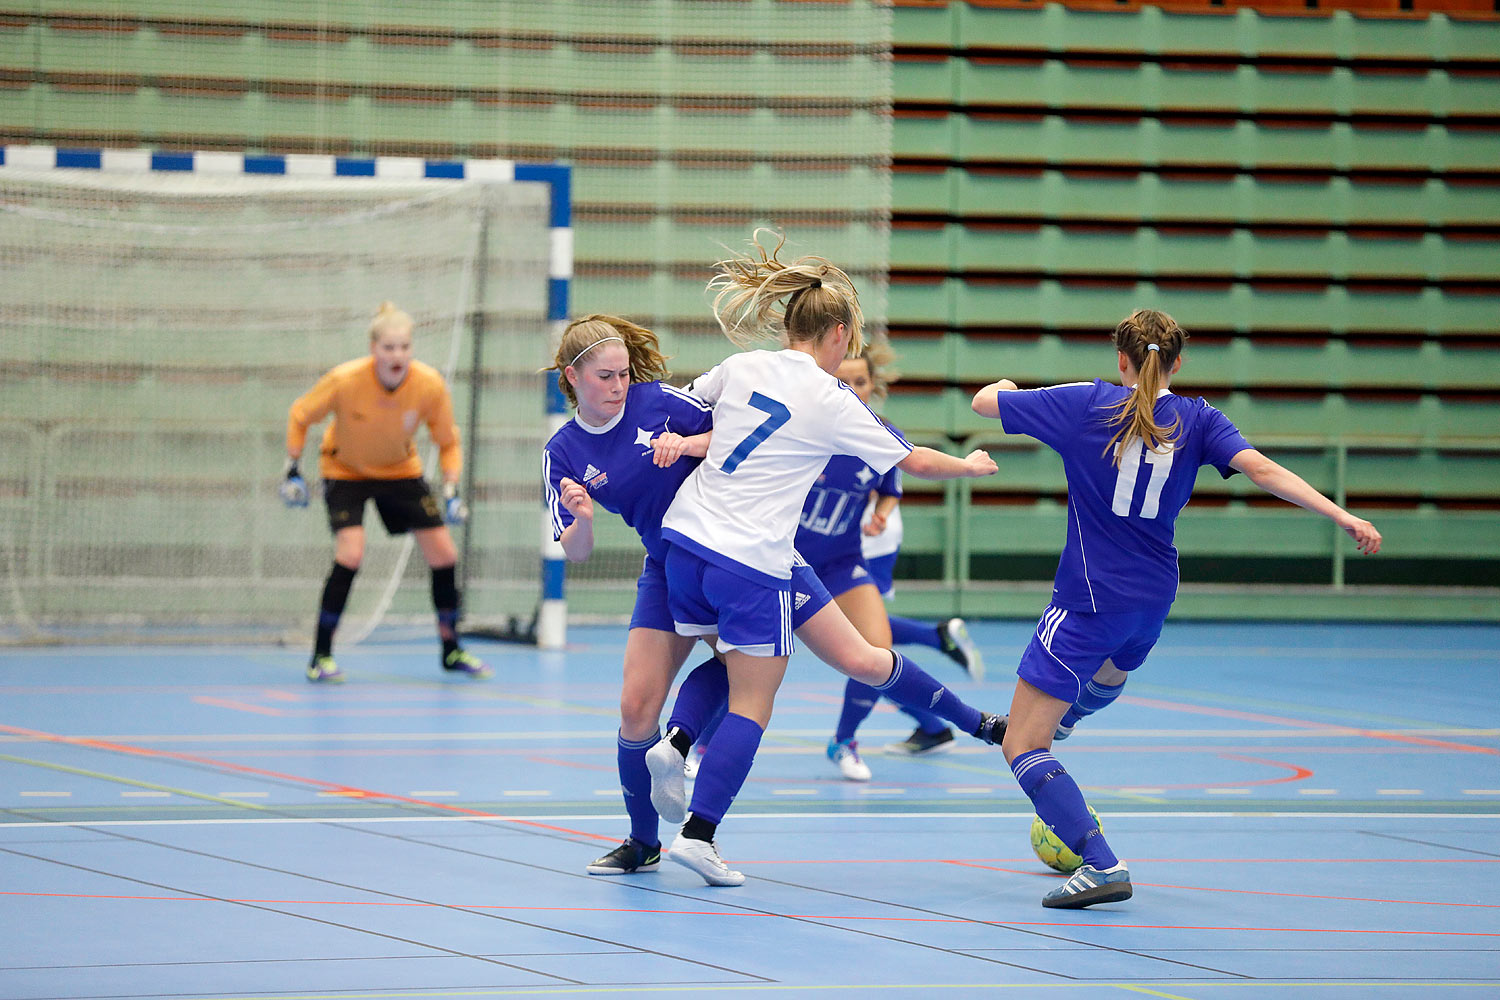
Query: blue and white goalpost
x,y
163,309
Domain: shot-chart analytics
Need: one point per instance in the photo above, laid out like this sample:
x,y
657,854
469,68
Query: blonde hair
x,y
878,357
818,296
388,317
1152,341
647,363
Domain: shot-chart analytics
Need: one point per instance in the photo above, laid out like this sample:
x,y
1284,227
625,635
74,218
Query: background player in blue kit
x,y
830,539
1131,454
778,417
624,450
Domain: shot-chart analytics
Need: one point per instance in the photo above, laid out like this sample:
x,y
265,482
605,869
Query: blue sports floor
x,y
1308,812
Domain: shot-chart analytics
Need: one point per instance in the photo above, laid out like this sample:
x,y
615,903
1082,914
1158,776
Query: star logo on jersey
x,y
800,600
643,437
864,477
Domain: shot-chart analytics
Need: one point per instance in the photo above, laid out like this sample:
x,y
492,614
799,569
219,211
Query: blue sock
x,y
725,767
926,721
859,702
712,726
910,632
635,782
1059,803
911,687
702,694
1094,697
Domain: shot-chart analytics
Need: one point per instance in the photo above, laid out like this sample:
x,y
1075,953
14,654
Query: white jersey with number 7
x,y
778,418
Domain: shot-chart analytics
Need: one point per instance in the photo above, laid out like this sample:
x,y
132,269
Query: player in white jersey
x,y
778,417
1131,453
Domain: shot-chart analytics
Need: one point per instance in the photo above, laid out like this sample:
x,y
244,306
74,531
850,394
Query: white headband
x,y
595,344
1149,347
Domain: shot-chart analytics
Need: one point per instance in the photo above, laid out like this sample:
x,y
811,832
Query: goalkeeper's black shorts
x,y
403,504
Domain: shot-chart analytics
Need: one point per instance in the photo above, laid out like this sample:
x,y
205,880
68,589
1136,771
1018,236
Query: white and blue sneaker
x,y
845,757
668,793
1088,885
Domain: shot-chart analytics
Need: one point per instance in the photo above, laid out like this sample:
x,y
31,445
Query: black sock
x,y
335,596
697,828
681,741
445,603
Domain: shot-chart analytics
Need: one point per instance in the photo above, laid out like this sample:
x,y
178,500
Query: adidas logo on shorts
x,y
800,600
859,571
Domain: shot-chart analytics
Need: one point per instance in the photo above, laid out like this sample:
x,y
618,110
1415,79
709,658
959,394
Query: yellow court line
x,y
132,782
1154,993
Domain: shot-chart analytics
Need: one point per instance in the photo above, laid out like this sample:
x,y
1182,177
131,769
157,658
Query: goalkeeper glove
x,y
293,489
455,511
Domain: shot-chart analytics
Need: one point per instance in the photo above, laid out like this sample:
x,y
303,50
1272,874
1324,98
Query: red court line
x,y
238,706
338,789
1376,734
741,914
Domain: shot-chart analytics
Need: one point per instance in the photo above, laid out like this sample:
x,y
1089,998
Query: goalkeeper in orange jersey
x,y
368,454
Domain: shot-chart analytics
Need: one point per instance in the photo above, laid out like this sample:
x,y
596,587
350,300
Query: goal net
x,y
157,325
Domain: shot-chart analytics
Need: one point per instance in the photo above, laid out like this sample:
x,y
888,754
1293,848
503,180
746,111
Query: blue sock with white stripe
x,y
726,765
1057,800
859,702
909,632
635,782
911,687
1093,697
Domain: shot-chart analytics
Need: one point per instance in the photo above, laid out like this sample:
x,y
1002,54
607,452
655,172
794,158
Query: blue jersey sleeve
x,y
1051,415
1221,440
555,467
890,483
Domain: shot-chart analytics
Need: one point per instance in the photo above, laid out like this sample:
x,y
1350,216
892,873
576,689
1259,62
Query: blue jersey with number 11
x,y
1121,519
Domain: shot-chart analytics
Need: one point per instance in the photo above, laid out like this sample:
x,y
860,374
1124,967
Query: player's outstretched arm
x,y
929,463
577,538
986,401
1286,484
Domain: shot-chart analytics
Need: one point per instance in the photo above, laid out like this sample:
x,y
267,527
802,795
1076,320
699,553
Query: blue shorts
x,y
809,596
883,573
843,574
707,599
651,607
1069,647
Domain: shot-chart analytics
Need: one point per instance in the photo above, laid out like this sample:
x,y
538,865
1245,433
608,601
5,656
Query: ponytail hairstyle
x,y
647,363
388,317
817,296
1153,342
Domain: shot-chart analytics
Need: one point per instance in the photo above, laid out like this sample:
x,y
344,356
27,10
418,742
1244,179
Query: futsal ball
x,y
1053,852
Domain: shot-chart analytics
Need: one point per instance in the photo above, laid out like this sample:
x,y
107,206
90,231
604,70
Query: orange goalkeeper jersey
x,y
373,429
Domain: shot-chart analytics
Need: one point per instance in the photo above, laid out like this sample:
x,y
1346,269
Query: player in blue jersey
x,y
622,451
830,539
778,418
618,451
1131,453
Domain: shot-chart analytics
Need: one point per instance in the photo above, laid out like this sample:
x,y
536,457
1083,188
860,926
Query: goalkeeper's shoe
x,y
461,661
322,670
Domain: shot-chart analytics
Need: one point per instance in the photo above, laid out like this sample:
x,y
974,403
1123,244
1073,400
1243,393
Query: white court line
x,y
779,817
45,795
